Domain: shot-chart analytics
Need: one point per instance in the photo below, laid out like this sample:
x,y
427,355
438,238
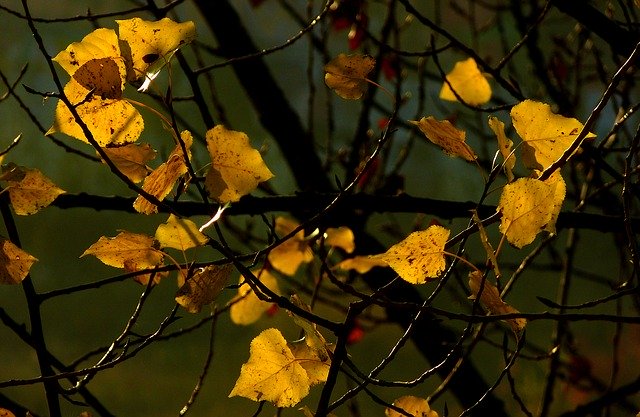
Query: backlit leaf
x,y
504,145
246,307
312,337
340,237
29,190
317,367
181,234
446,136
418,407
546,135
491,300
203,287
14,263
131,160
361,264
420,256
468,82
127,248
236,167
293,252
6,413
272,373
347,75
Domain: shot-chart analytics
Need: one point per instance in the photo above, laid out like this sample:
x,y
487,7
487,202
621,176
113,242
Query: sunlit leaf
x,y
181,234
131,160
415,406
546,135
468,82
29,190
361,264
312,337
347,75
340,237
446,136
127,248
272,373
6,413
505,145
203,287
246,307
317,367
14,263
491,300
291,253
236,167
420,256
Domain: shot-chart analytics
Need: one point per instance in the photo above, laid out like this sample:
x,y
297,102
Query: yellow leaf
x,y
203,287
236,168
341,237
272,373
6,413
361,264
490,299
504,145
14,263
131,160
347,75
312,337
316,367
308,413
468,82
29,190
418,407
446,136
161,181
156,276
528,206
546,135
419,256
147,44
181,234
246,307
291,253
127,249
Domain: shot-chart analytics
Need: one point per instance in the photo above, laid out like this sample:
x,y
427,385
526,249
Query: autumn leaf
x,y
131,160
468,82
272,373
181,234
308,413
347,75
29,190
528,206
6,413
546,135
491,300
161,181
203,287
316,367
360,264
14,263
291,253
415,406
236,167
246,308
127,248
419,256
313,339
446,136
340,237
100,44
504,145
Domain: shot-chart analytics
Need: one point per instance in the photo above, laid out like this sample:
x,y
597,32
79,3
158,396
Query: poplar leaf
x,y
246,308
504,145
291,253
340,237
546,135
181,234
420,256
131,159
316,367
14,263
491,300
415,406
272,373
29,189
347,75
446,136
203,287
161,181
313,339
361,264
127,249
236,167
468,82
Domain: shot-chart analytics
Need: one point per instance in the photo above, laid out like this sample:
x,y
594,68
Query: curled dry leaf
x,y
181,234
14,263
291,253
126,250
490,299
347,75
313,339
447,137
505,146
29,189
203,287
131,159
468,82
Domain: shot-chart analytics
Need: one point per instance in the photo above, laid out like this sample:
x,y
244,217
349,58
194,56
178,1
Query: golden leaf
x,y
6,413
203,287
291,253
468,82
14,263
415,406
131,159
29,190
341,237
246,307
316,367
127,249
347,75
236,168
181,234
361,264
546,135
446,136
312,337
272,373
419,256
504,145
490,299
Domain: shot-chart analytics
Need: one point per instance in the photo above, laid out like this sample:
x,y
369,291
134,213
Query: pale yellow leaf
x,y
341,237
203,287
127,249
246,307
491,300
504,145
347,75
14,263
181,234
468,82
29,190
420,256
131,159
272,373
291,253
236,167
361,264
417,407
446,136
